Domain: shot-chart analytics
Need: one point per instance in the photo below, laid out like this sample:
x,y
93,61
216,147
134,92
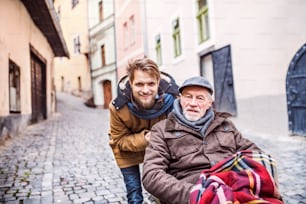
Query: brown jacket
x,y
176,155
127,135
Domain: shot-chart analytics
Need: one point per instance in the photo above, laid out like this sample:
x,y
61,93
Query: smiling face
x,y
144,88
195,101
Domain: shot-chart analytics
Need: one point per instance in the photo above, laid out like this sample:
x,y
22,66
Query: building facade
x,y
252,52
102,51
72,75
131,32
244,47
32,38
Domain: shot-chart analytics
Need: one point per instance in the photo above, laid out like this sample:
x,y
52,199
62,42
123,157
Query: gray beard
x,y
200,125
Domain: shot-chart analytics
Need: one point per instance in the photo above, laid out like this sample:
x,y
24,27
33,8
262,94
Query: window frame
x,y
132,28
76,44
176,36
103,55
125,34
158,50
14,71
101,14
203,22
59,12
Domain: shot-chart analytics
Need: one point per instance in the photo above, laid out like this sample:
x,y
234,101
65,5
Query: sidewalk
x,y
67,159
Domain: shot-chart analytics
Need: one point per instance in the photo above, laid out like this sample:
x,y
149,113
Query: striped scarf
x,y
246,177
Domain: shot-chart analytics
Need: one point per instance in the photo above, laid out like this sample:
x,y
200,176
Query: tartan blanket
x,y
246,177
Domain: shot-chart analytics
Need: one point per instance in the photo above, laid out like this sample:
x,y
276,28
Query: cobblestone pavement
x,y
66,159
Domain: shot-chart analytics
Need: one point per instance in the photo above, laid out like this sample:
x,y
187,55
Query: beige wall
x,y
264,37
20,32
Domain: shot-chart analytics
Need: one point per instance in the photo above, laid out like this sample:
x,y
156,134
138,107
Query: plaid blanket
x,y
246,177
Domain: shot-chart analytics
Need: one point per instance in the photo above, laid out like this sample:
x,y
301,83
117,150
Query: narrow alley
x,y
65,159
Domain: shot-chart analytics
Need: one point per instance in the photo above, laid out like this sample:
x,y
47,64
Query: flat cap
x,y
197,81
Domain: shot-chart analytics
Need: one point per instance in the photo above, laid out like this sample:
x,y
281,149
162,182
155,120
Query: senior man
x,y
193,137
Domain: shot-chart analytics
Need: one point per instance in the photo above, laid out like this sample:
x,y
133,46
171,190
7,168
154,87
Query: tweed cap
x,y
197,81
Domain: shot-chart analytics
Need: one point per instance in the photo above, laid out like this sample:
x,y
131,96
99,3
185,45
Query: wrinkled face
x,y
195,101
144,89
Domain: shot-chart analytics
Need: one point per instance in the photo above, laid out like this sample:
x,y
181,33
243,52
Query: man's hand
x,y
147,136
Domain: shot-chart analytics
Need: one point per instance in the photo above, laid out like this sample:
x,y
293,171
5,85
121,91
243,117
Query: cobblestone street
x,y
67,159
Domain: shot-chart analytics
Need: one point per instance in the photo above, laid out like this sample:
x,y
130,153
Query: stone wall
x,y
12,125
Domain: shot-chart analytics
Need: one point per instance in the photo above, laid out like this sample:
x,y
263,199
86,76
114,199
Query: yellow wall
x,y
18,32
73,22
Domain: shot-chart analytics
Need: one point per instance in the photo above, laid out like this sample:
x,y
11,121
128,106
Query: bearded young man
x,y
145,96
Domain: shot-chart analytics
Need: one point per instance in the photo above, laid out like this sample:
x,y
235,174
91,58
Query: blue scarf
x,y
162,105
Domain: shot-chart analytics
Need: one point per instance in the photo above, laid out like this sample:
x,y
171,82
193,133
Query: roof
x,y
45,18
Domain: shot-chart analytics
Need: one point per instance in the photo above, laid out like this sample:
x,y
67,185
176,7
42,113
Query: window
x,y
59,13
74,3
79,83
125,35
103,55
158,50
14,87
202,18
101,16
132,30
76,45
129,32
62,83
176,38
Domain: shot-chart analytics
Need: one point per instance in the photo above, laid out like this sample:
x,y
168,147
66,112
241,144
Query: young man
x,y
145,96
194,137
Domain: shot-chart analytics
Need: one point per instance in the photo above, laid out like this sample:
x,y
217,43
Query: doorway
x,y
217,64
38,88
296,93
107,92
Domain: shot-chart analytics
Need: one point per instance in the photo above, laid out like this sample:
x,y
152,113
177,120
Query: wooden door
x,y
223,81
38,89
107,92
296,93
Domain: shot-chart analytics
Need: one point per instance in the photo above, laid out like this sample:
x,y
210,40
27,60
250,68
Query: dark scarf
x,y
200,125
162,105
